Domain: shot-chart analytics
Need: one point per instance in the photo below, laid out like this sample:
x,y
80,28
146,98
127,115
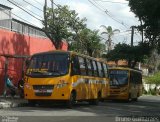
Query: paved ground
x,y
108,111
9,102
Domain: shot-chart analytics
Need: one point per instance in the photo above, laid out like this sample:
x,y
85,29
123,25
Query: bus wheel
x,y
95,101
72,100
135,99
31,103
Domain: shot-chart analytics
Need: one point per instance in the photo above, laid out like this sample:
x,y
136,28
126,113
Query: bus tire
x,y
72,100
96,101
135,99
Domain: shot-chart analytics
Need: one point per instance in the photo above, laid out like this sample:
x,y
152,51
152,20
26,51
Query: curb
x,y
7,104
12,103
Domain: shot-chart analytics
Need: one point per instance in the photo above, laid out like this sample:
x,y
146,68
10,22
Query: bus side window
x,y
82,65
92,68
95,68
140,78
89,67
75,66
131,77
100,69
105,70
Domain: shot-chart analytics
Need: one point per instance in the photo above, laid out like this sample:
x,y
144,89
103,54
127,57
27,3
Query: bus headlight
x,y
61,85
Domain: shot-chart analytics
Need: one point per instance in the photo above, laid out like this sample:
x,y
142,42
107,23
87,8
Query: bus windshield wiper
x,y
38,72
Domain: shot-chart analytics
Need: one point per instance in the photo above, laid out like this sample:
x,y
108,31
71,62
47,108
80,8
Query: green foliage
x,y
153,92
144,91
155,79
148,13
61,23
88,42
131,54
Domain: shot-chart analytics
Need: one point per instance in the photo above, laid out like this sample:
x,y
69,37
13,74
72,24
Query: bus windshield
x,y
48,65
118,77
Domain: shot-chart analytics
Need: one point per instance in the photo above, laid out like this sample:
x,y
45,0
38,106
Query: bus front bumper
x,y
51,94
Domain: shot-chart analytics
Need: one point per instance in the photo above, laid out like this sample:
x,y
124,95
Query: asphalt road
x,y
146,109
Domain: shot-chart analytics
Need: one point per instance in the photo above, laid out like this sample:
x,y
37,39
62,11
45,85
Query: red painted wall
x,y
15,43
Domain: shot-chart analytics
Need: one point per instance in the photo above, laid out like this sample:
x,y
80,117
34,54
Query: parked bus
x,y
66,76
125,83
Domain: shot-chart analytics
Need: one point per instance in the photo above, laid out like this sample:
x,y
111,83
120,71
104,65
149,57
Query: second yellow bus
x,y
125,83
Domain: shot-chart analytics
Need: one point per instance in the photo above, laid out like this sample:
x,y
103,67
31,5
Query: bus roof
x,y
69,52
51,52
125,68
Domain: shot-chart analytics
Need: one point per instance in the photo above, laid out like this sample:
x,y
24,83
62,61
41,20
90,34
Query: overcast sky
x,y
117,14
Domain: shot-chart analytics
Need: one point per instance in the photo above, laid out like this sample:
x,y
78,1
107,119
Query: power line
x,y
111,2
20,18
14,3
107,13
27,9
33,5
64,12
38,2
96,6
25,20
116,19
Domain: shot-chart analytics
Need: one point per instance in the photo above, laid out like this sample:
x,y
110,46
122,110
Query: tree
x,y
60,23
154,61
132,54
148,13
88,42
110,33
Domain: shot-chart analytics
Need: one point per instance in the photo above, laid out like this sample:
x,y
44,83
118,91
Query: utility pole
x,y
45,17
132,35
52,4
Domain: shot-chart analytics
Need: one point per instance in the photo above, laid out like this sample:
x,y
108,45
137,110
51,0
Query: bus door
x,y
133,85
83,76
95,80
90,82
77,72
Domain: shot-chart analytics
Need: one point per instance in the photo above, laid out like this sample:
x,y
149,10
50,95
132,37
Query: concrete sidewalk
x,y
9,102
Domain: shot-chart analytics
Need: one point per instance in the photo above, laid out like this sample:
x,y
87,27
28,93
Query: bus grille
x,y
43,90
